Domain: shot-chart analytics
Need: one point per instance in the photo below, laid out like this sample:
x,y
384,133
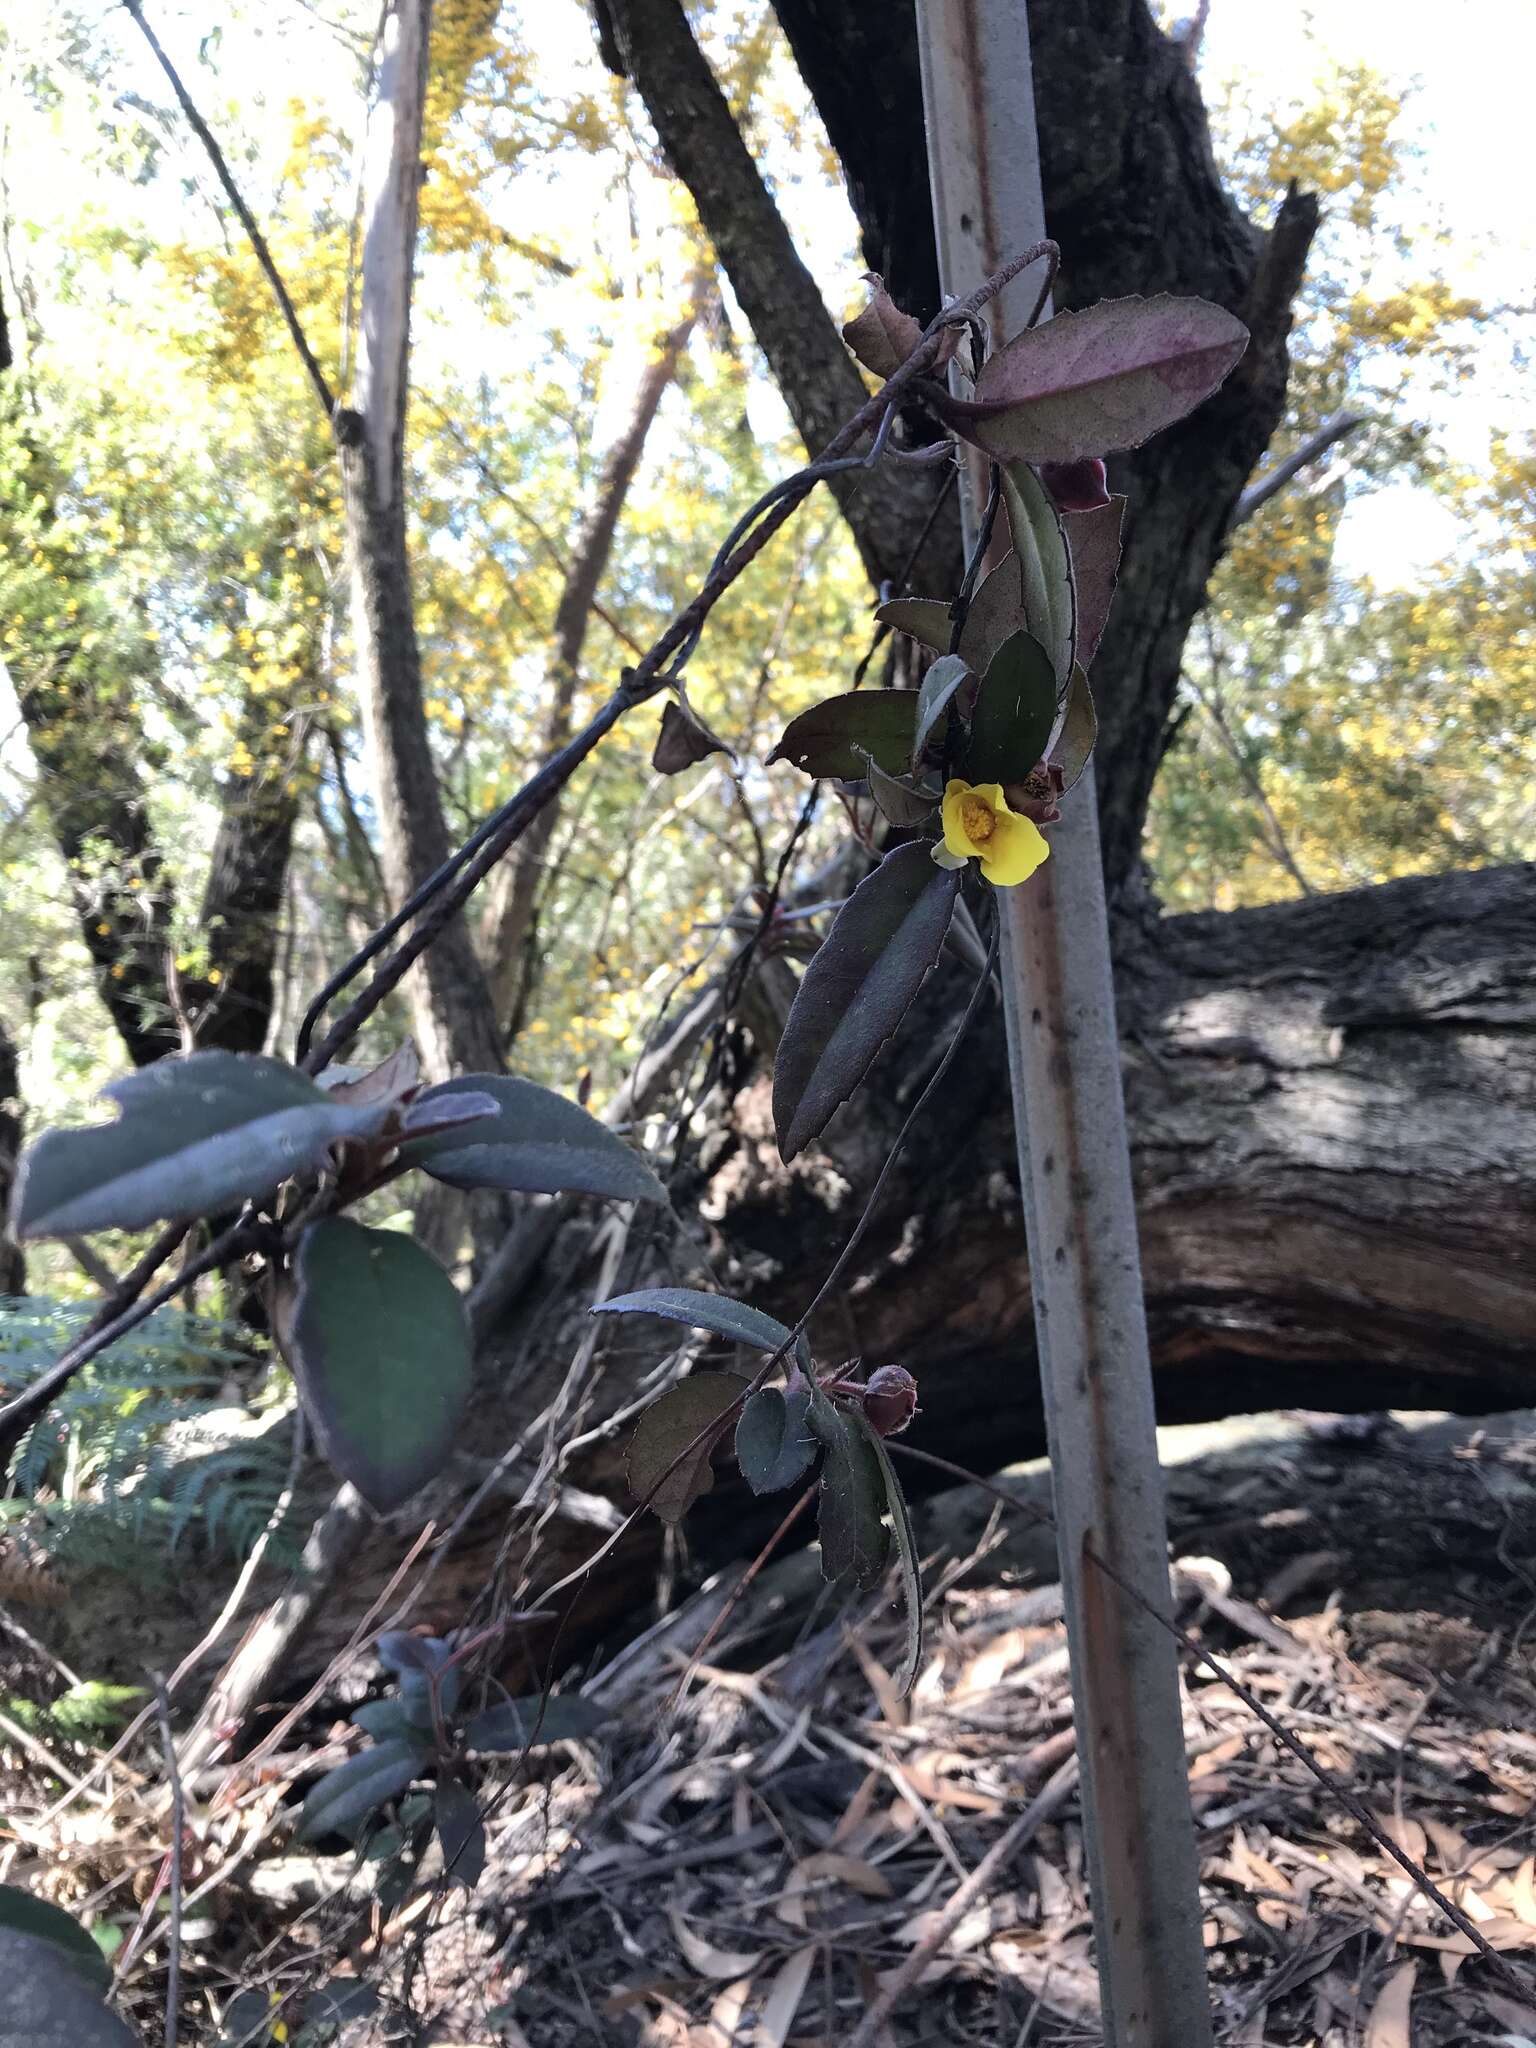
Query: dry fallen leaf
x,y
1390,2023
709,1961
783,2000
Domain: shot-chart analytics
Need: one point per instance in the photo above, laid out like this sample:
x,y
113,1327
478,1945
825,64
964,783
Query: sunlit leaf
x,y
882,336
1107,377
669,1453
376,1336
197,1135
537,1142
857,989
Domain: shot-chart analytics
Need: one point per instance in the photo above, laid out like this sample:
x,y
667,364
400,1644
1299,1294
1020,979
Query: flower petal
x,y
944,857
956,839
1017,848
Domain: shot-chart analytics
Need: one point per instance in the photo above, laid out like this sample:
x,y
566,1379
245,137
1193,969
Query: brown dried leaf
x,y
720,1963
1390,2023
882,336
684,740
783,2000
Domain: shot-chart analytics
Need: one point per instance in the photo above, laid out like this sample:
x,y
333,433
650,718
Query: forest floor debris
x,y
759,1840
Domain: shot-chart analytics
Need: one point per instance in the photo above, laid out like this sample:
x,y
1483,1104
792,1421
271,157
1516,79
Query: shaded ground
x,y
750,1862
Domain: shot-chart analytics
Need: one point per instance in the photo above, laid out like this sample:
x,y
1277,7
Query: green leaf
x,y
511,1726
1074,744
1050,602
24,1913
933,699
857,989
384,1720
897,800
1107,377
854,1542
832,737
774,1446
1094,540
737,1320
924,619
345,1797
537,1143
376,1336
461,1832
669,1453
1015,712
46,2003
93,1707
196,1136
906,1552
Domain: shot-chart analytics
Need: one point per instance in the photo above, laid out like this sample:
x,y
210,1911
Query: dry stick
x,y
178,1823
1351,1803
1047,1802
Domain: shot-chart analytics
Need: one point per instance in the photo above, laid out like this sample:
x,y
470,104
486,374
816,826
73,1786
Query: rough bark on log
x,y
1333,1118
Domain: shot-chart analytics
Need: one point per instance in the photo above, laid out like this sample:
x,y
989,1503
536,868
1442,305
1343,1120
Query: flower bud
x,y
1076,486
890,1399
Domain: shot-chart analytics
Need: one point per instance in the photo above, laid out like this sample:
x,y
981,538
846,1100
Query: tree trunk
x,y
13,1272
1134,199
651,43
515,887
450,1000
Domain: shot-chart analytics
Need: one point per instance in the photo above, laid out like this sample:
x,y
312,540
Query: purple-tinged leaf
x,y
669,1453
1094,540
857,989
1074,743
1107,377
1015,713
774,1445
535,1142
996,610
375,1334
832,738
882,336
1050,602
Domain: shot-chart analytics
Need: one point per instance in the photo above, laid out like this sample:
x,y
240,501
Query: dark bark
x,y
651,43
1133,197
243,900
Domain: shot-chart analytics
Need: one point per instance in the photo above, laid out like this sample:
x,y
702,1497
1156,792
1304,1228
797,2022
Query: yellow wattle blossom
x,y
978,822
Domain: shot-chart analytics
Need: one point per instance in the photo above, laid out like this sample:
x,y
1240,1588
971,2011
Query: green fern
x,y
140,1463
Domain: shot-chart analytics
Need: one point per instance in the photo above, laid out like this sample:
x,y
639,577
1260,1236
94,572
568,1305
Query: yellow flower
x,y
977,821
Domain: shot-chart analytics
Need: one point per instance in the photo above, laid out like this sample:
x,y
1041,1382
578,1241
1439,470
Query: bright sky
x,y
1470,61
